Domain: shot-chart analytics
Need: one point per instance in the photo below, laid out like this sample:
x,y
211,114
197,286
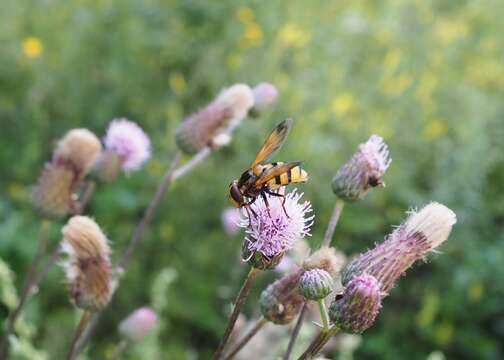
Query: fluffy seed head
x,y
357,308
213,125
271,232
363,171
88,268
316,284
280,302
265,96
421,233
52,197
138,324
326,258
78,149
129,141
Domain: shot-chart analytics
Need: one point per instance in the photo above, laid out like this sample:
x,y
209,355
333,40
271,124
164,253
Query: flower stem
x,y
318,343
196,159
119,350
28,285
240,300
338,208
86,315
246,338
295,332
323,314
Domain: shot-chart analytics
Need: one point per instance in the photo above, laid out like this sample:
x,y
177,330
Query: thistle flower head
x,y
88,268
78,149
326,258
363,171
129,141
265,96
315,284
213,125
138,324
280,302
272,232
357,308
230,220
421,233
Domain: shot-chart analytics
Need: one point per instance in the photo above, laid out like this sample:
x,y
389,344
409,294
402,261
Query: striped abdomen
x,y
292,176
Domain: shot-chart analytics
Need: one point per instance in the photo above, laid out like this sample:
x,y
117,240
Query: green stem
x,y
318,343
338,208
86,315
295,332
240,300
323,314
246,338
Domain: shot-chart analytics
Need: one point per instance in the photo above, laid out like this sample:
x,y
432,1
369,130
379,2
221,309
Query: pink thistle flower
x,y
422,233
271,232
230,220
129,141
138,324
265,96
363,171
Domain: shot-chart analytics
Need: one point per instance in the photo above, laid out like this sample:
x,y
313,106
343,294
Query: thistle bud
x,y
53,197
213,125
315,284
88,268
265,96
136,326
280,302
357,308
422,232
326,258
363,171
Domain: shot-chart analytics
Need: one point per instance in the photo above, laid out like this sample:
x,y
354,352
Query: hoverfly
x,y
261,179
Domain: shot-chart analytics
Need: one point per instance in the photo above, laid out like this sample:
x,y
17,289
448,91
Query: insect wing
x,y
273,142
274,172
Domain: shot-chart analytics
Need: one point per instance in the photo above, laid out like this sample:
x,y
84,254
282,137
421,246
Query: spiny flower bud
x,y
363,171
326,258
213,125
271,232
280,302
265,96
315,284
88,268
357,308
422,232
136,326
53,196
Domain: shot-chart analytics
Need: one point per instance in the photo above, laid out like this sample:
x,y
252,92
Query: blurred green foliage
x,y
427,75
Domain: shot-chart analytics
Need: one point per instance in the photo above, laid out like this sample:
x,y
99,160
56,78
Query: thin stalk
x,y
246,338
28,285
86,315
323,314
295,332
86,196
318,343
119,350
338,208
196,159
240,300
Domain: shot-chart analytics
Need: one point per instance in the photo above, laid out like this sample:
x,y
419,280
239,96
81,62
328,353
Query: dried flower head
x,y
88,268
363,171
78,149
213,125
129,141
138,324
230,220
280,302
326,258
357,308
271,232
316,284
265,96
422,232
53,197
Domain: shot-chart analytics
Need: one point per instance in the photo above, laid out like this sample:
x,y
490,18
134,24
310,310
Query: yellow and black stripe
x,y
294,175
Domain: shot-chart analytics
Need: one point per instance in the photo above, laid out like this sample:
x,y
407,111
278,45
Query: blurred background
x,y
426,75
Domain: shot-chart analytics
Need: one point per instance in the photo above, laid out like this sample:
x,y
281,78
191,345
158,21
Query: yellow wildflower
x,y
435,129
343,103
178,83
293,35
245,15
253,35
449,31
32,47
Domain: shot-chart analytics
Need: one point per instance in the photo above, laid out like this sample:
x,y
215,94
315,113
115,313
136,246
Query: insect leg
x,y
283,200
